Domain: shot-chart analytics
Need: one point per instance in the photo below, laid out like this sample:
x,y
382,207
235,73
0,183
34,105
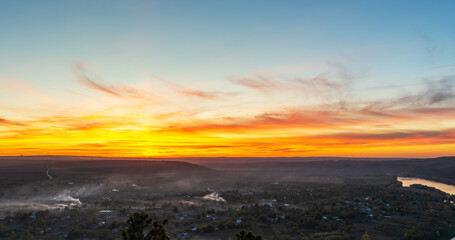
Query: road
x,y
47,172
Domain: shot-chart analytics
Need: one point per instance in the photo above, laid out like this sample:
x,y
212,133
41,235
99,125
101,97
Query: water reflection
x,y
450,189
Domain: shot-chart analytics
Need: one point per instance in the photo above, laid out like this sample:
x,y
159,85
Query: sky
x,y
227,78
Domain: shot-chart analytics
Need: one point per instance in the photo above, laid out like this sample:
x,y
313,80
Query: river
x,y
450,189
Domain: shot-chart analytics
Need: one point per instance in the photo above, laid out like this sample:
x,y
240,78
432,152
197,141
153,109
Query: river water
x,y
450,189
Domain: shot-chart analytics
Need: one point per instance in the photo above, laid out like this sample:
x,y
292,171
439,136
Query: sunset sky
x,y
227,78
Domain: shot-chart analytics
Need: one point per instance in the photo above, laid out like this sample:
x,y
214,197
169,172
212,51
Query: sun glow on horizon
x,y
171,122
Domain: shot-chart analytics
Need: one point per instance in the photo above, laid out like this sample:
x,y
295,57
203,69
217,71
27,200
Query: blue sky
x,y
192,41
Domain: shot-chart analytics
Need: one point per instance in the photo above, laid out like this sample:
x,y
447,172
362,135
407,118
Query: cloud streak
x,y
258,83
8,122
116,91
97,86
414,135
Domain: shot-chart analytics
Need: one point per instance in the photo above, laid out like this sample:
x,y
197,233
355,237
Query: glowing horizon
x,y
129,83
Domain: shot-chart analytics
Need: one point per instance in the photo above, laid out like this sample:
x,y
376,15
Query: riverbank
x,y
408,181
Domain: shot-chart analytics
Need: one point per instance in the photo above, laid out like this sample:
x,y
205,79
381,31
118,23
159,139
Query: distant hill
x,y
441,169
220,161
34,167
195,160
128,167
16,172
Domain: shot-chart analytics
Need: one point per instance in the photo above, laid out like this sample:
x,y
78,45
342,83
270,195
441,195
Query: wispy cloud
x,y
9,122
117,91
318,81
25,89
110,90
440,91
429,43
329,84
435,94
284,119
258,82
203,94
375,137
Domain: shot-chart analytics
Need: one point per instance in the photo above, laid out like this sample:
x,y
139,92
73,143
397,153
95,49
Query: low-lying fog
x,y
58,194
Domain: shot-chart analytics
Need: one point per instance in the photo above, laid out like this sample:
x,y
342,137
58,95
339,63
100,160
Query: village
x,y
274,210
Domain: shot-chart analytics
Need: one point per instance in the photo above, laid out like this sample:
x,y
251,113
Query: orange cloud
x,y
5,121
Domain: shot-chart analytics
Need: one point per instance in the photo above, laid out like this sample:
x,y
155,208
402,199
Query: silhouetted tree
x,y
26,235
140,222
242,235
365,236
